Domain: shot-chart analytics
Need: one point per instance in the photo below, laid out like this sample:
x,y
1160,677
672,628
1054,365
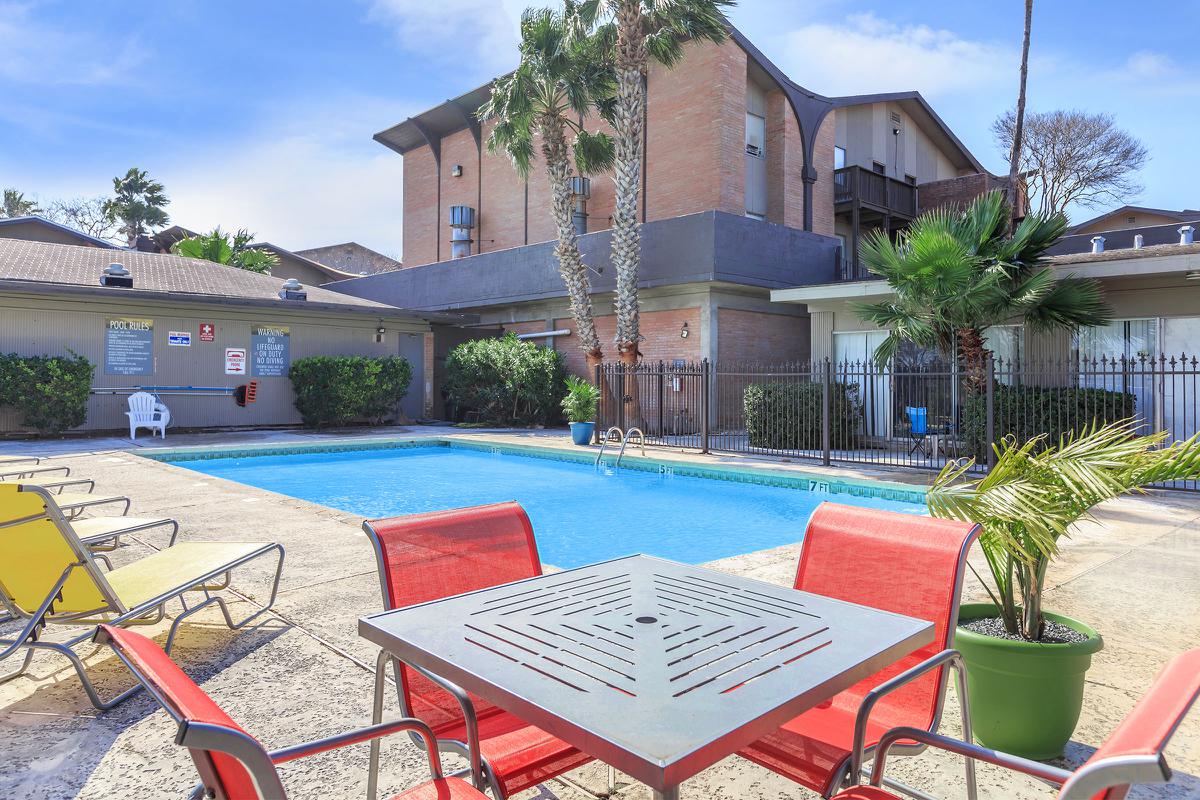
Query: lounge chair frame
x,y
260,763
113,611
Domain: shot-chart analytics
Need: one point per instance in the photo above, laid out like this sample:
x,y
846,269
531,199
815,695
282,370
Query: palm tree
x,y
137,204
1014,157
561,78
637,31
220,248
957,272
15,205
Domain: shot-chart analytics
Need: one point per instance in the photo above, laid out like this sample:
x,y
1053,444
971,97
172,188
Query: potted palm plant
x,y
580,407
1026,666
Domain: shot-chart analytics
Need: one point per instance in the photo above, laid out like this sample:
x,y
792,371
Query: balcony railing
x,y
872,189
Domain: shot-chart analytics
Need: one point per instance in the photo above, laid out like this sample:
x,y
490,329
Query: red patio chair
x,y
424,557
903,563
233,765
1132,755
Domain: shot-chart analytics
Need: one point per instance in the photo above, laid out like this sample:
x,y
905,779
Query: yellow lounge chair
x,y
20,459
74,503
49,576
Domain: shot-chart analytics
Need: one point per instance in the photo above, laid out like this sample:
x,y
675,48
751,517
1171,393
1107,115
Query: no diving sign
x,y
235,361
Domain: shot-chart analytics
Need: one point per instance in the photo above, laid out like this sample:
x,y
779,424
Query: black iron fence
x,y
901,416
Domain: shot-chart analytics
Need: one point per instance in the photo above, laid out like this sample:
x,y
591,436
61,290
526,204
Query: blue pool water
x,y
580,515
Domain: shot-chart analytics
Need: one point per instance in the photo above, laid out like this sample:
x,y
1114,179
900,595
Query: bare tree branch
x,y
1073,157
83,214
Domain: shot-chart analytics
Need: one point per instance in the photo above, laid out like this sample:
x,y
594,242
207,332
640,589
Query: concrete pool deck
x,y
304,672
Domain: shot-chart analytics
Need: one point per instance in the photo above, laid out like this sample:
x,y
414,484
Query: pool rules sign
x,y
128,346
270,351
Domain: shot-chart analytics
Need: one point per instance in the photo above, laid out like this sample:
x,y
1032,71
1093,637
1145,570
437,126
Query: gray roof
x,y
49,223
61,266
1152,235
1154,251
1183,215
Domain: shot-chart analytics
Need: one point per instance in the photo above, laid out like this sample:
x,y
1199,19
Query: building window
x,y
1007,345
880,168
756,166
839,158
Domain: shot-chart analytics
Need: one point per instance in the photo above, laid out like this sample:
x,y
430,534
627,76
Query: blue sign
x,y
129,346
179,338
270,351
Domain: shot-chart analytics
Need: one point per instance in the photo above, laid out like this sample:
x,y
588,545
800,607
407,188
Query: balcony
x,y
870,190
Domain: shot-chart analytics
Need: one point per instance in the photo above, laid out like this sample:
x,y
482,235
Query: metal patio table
x,y
656,668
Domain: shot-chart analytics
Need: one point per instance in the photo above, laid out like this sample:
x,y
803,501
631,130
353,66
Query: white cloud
x,y
313,180
866,54
444,31
1148,65
36,53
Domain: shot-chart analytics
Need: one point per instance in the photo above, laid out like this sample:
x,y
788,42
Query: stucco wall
x,y
55,325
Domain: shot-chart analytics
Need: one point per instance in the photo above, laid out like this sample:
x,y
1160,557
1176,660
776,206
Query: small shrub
x,y
787,416
1023,412
337,390
50,392
508,381
580,403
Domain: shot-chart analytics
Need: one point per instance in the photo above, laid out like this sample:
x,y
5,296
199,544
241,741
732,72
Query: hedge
x,y
1027,411
787,416
507,381
337,390
50,392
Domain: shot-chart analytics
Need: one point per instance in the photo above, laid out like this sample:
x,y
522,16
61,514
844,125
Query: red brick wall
x,y
823,188
420,208
502,217
693,112
957,191
764,338
459,148
660,329
785,163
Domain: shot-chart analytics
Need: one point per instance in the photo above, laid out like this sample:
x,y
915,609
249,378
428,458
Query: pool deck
x,y
304,672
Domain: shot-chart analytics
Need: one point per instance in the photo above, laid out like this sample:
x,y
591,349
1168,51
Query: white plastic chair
x,y
146,412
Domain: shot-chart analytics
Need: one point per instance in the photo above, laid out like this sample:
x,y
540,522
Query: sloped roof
x,y
61,265
83,238
1184,215
918,108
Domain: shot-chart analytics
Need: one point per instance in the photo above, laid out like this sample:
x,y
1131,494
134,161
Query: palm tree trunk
x,y
570,261
1014,158
972,354
626,228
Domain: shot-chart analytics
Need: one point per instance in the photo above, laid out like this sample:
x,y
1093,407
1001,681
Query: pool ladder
x,y
623,437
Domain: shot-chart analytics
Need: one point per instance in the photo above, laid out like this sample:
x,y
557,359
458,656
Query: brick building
x,y
751,183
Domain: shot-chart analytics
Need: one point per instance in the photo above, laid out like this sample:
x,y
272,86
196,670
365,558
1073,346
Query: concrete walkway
x,y
305,673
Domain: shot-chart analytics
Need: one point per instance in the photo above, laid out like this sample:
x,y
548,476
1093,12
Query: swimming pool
x,y
580,514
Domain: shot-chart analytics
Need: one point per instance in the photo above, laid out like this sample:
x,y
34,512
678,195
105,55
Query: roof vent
x,y
292,290
117,276
1097,244
1185,234
1139,242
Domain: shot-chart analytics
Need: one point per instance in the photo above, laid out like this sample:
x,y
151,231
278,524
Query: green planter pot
x,y
1025,697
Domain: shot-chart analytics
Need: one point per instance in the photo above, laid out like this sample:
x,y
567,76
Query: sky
x,y
260,114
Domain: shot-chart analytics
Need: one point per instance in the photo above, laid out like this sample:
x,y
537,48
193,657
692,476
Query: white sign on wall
x,y
235,361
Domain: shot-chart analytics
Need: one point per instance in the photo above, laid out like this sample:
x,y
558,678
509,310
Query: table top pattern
x,y
658,668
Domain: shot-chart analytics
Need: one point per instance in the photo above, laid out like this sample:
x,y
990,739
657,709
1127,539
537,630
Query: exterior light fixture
x,y
456,171
1193,275
381,330
684,332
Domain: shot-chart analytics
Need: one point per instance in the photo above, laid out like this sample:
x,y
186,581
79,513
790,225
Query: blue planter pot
x,y
581,432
